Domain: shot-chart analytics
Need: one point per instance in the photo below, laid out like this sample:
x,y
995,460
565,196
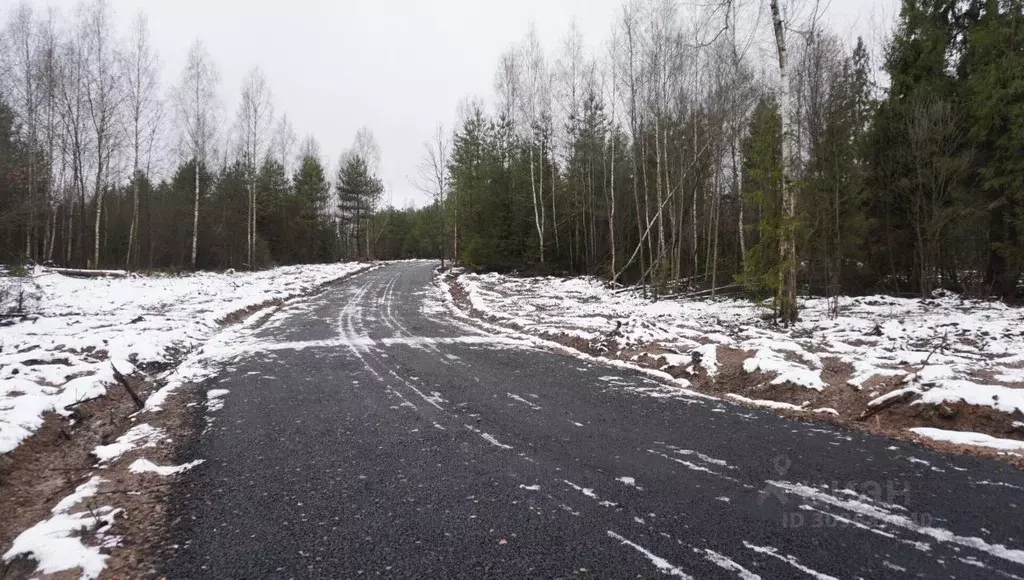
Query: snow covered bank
x,y
887,358
60,352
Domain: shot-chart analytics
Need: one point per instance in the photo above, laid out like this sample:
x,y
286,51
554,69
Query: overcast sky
x,y
396,66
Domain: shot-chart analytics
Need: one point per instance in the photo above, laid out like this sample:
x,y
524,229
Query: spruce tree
x,y
310,190
993,71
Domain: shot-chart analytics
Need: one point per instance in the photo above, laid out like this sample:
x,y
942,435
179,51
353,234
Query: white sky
x,y
396,66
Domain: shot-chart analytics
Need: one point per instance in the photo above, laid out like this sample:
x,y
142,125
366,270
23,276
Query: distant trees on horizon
x,y
85,123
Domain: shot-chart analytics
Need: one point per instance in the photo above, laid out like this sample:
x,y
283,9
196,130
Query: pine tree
x,y
358,192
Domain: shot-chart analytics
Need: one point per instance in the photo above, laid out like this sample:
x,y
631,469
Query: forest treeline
x,y
733,143
666,157
102,166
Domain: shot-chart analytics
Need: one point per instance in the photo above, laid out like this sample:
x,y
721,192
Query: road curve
x,y
369,432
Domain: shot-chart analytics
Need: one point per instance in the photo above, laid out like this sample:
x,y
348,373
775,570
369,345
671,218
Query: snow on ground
x,y
55,542
61,353
138,437
942,349
969,438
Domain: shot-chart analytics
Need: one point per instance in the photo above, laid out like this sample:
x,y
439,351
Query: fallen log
x,y
72,406
79,273
901,398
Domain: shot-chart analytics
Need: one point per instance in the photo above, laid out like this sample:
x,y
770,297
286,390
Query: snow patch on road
x,y
792,561
863,507
699,455
729,565
215,399
660,563
488,437
589,492
764,403
529,404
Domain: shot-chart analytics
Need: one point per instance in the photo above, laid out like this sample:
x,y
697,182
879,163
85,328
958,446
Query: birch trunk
x,y
787,243
693,209
538,206
657,186
738,181
195,218
611,202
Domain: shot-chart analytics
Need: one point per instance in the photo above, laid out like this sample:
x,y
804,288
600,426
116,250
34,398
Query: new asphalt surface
x,y
371,432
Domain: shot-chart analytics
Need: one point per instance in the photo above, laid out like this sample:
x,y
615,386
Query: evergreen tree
x,y
12,190
274,221
993,72
358,192
311,191
762,170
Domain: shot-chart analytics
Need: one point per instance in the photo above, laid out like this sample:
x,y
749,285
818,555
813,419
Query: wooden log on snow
x,y
904,397
78,273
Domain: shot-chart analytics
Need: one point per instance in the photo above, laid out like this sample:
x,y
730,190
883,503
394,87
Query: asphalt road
x,y
371,433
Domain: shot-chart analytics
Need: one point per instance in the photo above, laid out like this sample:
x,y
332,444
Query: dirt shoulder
x,y
837,403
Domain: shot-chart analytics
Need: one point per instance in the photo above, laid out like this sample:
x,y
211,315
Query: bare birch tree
x,y
534,108
284,142
142,102
255,117
787,242
48,70
21,62
434,179
71,88
197,106
103,100
365,146
630,76
611,86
